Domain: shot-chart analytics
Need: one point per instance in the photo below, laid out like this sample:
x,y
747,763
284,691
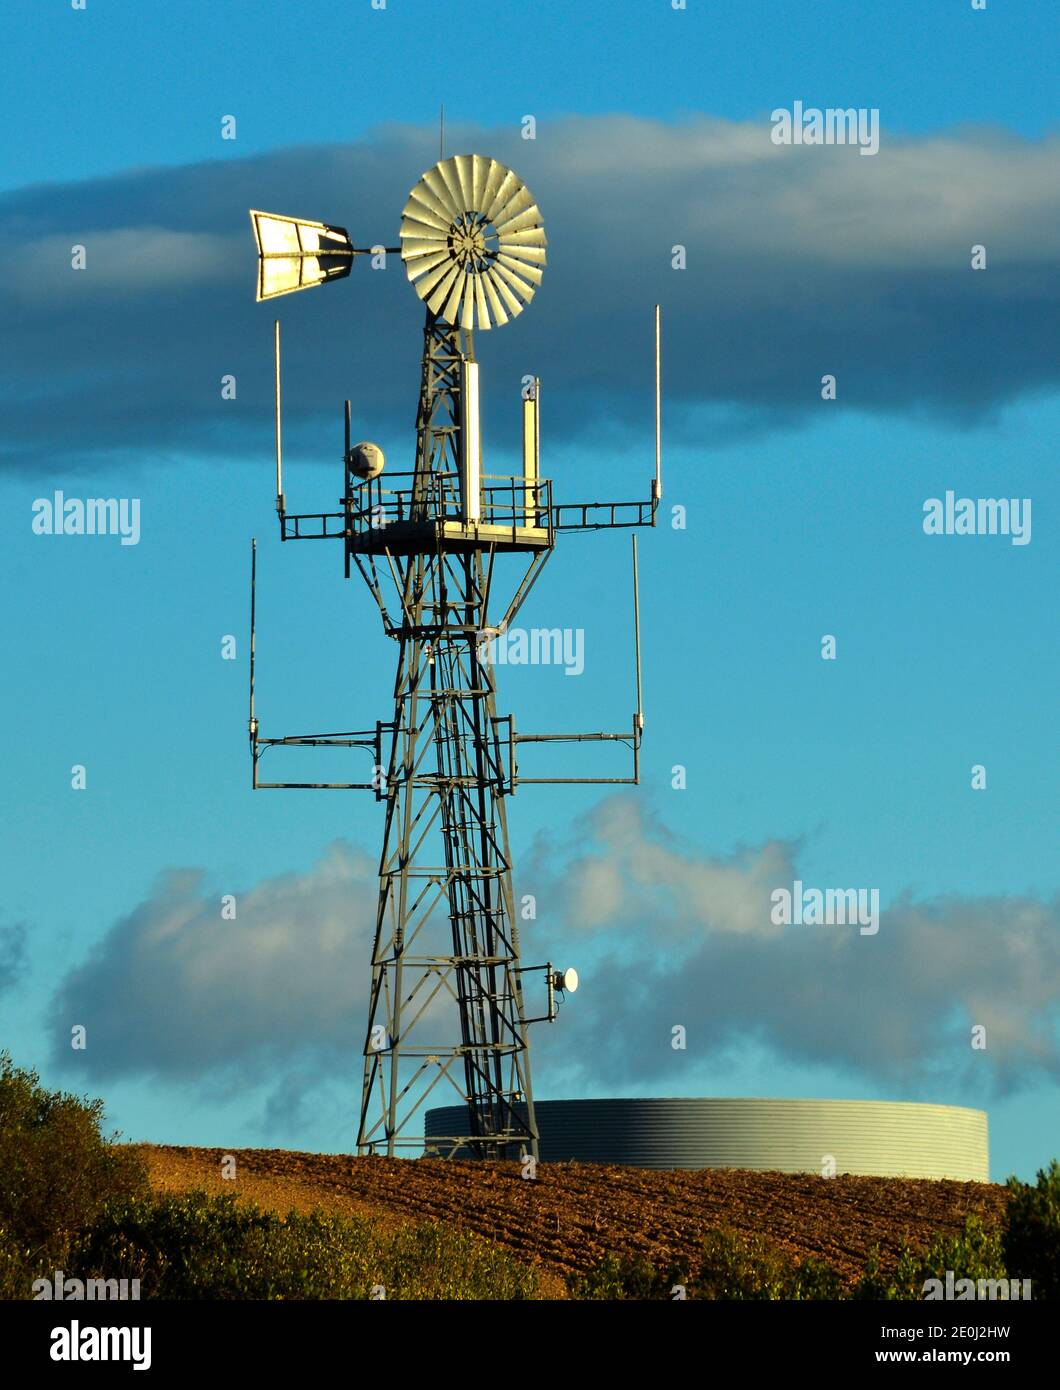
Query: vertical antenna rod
x,y
441,130
253,723
657,489
638,718
636,635
346,489
279,449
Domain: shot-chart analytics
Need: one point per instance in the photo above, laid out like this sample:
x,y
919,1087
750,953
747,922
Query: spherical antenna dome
x,y
365,461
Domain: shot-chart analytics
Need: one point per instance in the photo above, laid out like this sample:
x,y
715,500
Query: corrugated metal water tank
x,y
877,1138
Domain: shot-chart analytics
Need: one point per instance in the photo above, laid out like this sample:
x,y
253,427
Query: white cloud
x,y
125,261
691,941
175,990
661,932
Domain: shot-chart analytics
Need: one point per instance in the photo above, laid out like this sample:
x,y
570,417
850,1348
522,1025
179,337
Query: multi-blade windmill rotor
x,y
472,241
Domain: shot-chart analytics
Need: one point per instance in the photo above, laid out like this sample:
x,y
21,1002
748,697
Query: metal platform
x,y
416,538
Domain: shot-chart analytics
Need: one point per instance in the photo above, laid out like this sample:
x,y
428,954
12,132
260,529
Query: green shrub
x,y
631,1276
17,1267
741,1267
974,1254
1031,1232
435,1261
192,1246
57,1172
730,1266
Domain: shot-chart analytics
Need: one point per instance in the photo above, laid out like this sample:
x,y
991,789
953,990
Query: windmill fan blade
x,y
480,170
415,268
514,307
413,246
525,290
496,307
520,222
494,178
522,200
531,254
480,301
423,231
472,241
527,272
526,236
431,275
464,169
430,212
439,190
514,246
509,185
467,311
452,304
441,295
448,175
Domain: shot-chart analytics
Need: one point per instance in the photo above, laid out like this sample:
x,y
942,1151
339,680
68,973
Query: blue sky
x,y
127,83
803,518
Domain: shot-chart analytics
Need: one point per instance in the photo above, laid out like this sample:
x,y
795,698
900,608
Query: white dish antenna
x,y
473,242
365,461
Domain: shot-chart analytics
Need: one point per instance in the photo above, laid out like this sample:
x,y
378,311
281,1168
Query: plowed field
x,y
573,1214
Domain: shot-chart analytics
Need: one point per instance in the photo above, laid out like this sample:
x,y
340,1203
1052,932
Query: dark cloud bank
x,y
801,261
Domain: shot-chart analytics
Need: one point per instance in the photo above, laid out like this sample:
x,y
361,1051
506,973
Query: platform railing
x,y
506,501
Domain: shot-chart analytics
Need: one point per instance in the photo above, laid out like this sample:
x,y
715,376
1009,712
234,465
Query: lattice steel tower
x,y
447,999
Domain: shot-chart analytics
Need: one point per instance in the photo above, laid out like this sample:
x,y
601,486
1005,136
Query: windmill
x,y
448,1004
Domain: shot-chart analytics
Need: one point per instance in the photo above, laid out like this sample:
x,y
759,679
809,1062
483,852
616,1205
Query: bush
x,y
631,1276
192,1246
750,1267
1031,1232
57,1172
731,1266
17,1268
431,1260
974,1254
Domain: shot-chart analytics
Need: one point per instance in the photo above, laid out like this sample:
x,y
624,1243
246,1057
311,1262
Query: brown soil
x,y
573,1214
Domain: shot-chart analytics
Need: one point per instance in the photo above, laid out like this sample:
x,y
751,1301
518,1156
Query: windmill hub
x,y
473,243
